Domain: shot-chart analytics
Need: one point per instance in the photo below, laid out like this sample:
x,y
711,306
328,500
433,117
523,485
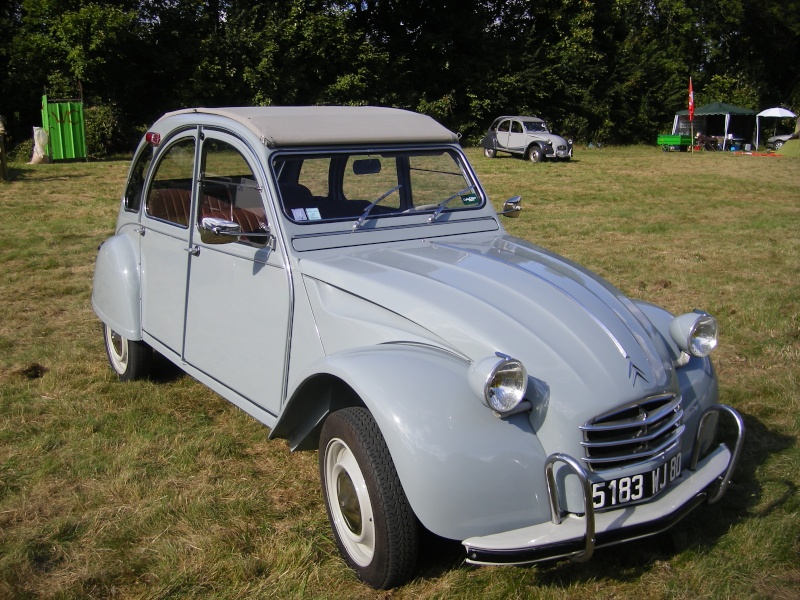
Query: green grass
x,y
161,489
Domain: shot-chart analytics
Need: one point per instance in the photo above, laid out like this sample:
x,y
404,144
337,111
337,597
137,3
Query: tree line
x,y
612,71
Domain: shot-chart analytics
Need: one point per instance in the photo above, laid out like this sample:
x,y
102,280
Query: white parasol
x,y
777,112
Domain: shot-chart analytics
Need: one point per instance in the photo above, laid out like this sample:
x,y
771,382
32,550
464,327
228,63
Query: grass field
x,y
161,489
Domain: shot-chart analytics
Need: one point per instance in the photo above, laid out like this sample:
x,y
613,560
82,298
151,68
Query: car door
x,y
516,137
238,300
164,242
502,134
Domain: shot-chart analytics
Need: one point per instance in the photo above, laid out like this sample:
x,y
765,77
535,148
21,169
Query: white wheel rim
x,y
348,498
117,350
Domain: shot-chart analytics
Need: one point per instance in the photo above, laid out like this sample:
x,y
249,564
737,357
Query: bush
x,y
22,152
104,130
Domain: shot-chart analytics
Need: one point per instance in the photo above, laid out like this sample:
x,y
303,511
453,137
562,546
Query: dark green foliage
x,y
104,130
607,71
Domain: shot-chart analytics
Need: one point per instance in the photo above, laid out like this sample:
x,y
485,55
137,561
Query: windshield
x,y
363,185
535,126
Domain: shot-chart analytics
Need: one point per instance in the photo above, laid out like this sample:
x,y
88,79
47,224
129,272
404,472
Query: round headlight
x,y
695,333
500,381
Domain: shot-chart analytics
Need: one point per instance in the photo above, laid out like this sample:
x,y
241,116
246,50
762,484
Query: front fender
x,y
116,288
697,379
463,469
489,142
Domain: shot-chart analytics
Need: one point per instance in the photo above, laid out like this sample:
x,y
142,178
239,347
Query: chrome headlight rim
x,y
500,381
695,333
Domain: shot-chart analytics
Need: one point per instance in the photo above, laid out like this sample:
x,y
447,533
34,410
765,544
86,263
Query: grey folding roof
x,y
331,125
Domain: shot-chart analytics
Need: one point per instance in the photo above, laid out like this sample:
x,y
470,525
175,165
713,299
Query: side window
x,y
516,127
170,193
503,126
133,192
228,190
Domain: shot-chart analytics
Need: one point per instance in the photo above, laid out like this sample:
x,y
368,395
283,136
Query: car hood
x,y
555,139
585,345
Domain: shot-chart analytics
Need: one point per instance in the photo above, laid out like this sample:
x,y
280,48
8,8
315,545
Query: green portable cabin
x,y
63,120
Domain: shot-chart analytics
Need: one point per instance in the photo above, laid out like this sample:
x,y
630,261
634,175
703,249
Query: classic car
x,y
525,136
776,142
340,274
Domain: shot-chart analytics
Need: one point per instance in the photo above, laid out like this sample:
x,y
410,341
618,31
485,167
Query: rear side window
x,y
133,192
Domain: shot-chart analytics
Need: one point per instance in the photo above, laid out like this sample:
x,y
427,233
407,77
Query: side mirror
x,y
214,230
512,207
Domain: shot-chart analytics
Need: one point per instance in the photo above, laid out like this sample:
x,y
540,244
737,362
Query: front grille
x,y
561,147
633,434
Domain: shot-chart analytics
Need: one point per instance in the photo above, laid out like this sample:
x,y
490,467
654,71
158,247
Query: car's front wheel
x,y
535,154
778,144
375,529
130,359
489,152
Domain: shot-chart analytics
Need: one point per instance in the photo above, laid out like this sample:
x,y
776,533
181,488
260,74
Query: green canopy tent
x,y
724,121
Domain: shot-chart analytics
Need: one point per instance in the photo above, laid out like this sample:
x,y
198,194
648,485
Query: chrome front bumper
x,y
569,535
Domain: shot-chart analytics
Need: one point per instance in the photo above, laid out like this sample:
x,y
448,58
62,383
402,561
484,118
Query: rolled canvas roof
x,y
331,125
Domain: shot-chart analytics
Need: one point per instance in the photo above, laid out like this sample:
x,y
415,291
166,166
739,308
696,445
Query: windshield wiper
x,y
374,203
443,203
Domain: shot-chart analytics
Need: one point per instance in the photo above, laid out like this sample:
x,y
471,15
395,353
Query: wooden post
x,y
3,159
3,163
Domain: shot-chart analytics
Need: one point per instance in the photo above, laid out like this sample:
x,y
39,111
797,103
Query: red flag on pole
x,y
691,101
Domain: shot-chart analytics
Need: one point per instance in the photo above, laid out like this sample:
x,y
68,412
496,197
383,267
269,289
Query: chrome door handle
x,y
194,250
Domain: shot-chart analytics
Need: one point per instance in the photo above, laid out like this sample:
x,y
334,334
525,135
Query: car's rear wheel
x,y
778,144
130,359
535,154
489,152
375,529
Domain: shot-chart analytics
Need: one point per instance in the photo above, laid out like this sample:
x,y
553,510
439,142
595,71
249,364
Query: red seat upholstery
x,y
173,205
249,219
169,204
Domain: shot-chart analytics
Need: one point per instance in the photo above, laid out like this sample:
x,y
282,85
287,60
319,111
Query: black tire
x,y
373,524
535,154
489,152
130,360
778,144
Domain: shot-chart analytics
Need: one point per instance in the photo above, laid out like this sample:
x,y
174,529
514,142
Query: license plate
x,y
635,488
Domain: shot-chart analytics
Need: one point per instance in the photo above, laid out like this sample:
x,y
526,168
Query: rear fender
x,y
116,290
463,469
